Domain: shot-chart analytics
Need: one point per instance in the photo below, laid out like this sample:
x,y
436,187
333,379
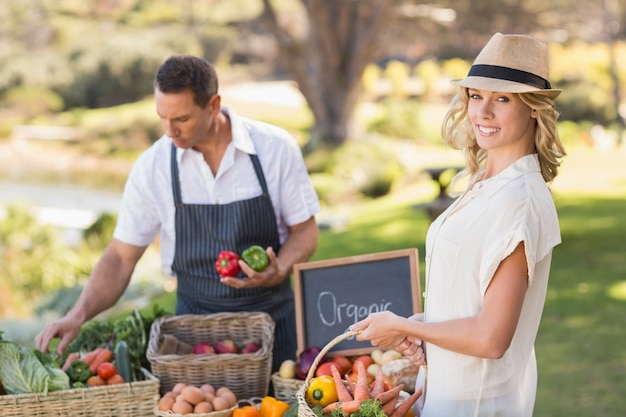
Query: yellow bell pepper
x,y
271,407
322,391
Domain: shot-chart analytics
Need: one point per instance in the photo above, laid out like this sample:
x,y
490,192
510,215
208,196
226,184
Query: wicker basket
x,y
304,410
134,399
285,388
247,375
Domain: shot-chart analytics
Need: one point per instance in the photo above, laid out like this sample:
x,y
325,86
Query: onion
x,y
305,361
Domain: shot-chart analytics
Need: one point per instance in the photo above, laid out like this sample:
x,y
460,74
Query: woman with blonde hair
x,y
488,255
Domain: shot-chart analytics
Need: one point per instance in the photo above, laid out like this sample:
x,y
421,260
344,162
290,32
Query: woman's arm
x,y
487,335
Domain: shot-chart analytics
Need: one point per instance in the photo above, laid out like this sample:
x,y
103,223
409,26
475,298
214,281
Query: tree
x,y
328,58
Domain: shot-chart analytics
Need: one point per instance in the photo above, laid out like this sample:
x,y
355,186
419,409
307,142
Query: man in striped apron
x,y
215,181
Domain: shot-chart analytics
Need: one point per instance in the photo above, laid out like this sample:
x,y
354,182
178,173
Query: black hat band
x,y
509,74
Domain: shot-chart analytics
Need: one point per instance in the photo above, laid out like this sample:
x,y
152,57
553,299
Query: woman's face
x,y
501,121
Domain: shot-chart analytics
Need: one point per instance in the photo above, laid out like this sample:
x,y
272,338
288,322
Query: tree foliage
x,y
99,53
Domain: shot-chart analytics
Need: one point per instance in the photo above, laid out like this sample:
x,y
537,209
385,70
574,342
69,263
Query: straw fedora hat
x,y
511,64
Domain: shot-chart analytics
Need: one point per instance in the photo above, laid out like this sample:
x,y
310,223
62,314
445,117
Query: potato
x,y
287,369
390,355
373,369
377,356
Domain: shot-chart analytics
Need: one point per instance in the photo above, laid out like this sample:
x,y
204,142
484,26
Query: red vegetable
x,y
106,370
227,264
305,361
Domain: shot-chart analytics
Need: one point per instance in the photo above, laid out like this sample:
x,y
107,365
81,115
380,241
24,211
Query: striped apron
x,y
202,231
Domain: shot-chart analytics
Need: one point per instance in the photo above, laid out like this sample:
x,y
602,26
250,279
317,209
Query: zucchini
x,y
122,361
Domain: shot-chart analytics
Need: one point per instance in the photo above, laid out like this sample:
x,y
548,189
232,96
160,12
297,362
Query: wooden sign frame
x,y
360,267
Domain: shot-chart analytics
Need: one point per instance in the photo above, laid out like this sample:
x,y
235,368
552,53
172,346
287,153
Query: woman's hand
x,y
413,349
380,329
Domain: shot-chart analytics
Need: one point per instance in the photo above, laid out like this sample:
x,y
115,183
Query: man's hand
x,y
269,277
66,328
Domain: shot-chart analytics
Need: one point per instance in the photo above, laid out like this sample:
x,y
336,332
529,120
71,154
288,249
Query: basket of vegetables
x,y
221,349
336,395
35,384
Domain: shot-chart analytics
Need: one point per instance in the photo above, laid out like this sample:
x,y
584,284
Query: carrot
x,y
378,385
405,406
349,384
385,396
90,356
71,358
390,405
342,392
348,407
361,389
105,355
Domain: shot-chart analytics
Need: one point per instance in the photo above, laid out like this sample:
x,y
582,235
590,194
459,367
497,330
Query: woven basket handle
x,y
325,350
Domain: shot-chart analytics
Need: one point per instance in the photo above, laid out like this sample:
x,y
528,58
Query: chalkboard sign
x,y
330,295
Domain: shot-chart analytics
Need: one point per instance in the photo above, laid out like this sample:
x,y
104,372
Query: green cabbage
x,y
22,372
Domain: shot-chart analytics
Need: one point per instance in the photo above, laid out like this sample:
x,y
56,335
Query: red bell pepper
x,y
227,264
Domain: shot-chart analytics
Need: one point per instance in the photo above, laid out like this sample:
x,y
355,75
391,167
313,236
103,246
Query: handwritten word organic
x,y
333,312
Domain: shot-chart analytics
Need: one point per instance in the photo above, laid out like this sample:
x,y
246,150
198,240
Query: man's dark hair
x,y
186,72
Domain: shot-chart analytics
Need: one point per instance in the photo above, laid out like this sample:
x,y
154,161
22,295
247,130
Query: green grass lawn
x,y
580,345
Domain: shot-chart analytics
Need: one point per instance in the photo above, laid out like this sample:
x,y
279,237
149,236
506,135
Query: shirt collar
x,y
241,139
524,165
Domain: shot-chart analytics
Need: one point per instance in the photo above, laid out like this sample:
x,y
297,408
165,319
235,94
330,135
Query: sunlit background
x,y
362,86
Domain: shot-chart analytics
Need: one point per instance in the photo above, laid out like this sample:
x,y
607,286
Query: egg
x,y
178,387
192,394
208,397
227,394
166,403
170,394
207,388
220,404
203,407
182,407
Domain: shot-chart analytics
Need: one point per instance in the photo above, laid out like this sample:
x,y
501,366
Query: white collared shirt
x,y
464,247
147,206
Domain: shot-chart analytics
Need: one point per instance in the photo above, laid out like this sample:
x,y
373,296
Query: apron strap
x,y
178,199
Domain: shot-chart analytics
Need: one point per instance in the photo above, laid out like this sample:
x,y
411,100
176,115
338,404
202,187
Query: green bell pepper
x,y
256,257
78,372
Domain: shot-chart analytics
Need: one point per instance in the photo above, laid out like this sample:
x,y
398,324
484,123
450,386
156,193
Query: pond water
x,y
70,207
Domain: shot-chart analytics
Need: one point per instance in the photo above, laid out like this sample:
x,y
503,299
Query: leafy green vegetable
x,y
292,411
59,380
134,329
370,408
22,372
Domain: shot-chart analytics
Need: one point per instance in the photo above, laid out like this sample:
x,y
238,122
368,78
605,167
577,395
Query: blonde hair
x,y
457,133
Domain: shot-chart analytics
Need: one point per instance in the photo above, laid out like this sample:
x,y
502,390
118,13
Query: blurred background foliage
x,y
89,64
59,58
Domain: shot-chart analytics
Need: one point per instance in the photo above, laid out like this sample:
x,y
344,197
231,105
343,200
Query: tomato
x,y
106,370
342,363
324,369
115,379
366,359
96,381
